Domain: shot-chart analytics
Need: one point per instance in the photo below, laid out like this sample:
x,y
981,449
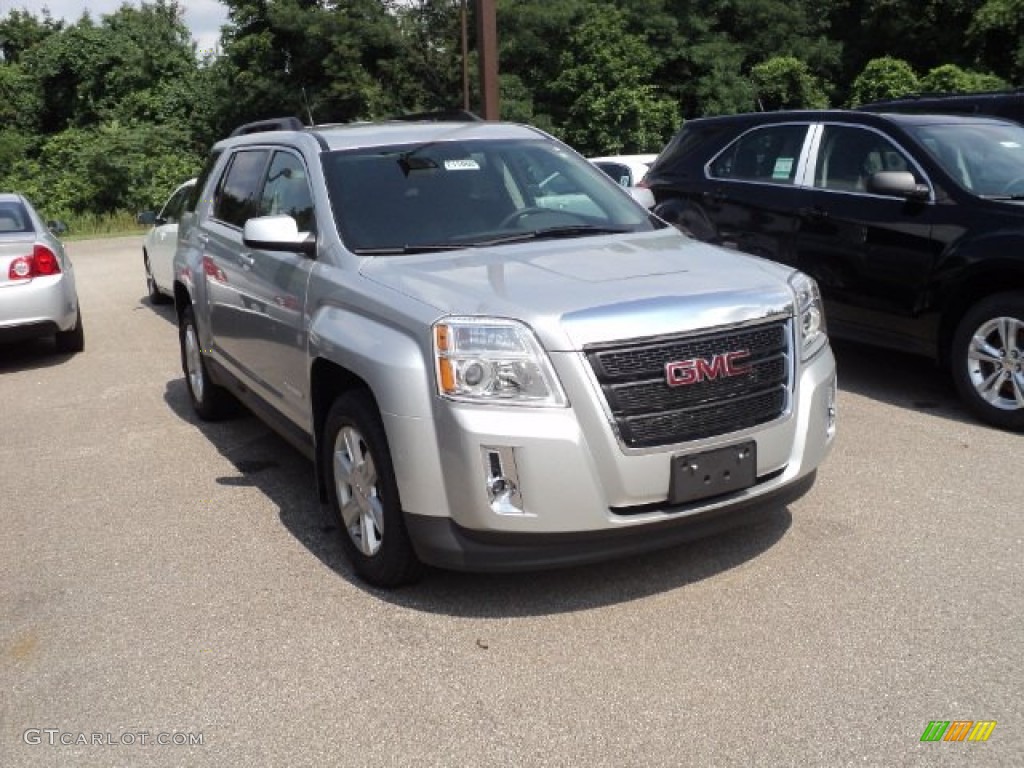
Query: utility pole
x,y
487,47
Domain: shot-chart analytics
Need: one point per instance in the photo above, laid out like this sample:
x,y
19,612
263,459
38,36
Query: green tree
x,y
884,78
293,57
785,82
923,33
605,80
20,31
997,31
104,169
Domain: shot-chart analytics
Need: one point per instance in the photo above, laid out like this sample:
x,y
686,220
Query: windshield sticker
x,y
783,166
469,164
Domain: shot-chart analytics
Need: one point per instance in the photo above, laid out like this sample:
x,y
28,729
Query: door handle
x,y
246,260
813,213
203,240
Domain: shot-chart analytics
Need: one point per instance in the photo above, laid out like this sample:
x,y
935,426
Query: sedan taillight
x,y
41,262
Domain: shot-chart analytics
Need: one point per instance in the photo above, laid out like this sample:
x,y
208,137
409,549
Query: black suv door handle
x,y
813,213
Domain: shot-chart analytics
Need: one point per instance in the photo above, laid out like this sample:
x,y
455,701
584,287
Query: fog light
x,y
501,481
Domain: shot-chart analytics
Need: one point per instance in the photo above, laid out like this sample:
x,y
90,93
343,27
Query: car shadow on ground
x,y
165,310
268,463
903,380
32,354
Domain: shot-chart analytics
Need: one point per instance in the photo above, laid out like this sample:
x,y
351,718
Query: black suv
x,y
1008,104
913,226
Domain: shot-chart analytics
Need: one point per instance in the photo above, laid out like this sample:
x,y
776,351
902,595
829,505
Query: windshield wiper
x,y
399,250
554,232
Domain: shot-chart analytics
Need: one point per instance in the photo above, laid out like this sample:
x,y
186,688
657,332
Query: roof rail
x,y
271,124
442,116
955,94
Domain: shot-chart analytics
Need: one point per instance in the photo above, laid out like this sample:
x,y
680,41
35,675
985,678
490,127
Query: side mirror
x,y
897,184
57,226
642,195
278,233
146,218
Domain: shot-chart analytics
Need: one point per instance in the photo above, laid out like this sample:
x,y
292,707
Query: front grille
x,y
648,412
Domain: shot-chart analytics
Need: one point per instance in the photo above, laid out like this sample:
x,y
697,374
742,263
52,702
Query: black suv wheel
x,y
988,360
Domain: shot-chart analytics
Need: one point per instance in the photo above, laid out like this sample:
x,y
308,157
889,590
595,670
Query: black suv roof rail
x,y
270,124
955,94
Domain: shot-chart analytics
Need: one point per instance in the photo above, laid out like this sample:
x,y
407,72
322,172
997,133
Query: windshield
x,y
986,158
472,193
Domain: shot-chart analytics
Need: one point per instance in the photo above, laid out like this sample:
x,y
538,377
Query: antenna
x,y
305,102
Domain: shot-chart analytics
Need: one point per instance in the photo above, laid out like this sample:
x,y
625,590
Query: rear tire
x,y
363,493
210,401
72,341
988,360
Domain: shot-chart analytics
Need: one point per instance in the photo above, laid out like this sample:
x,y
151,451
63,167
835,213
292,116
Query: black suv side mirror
x,y
897,184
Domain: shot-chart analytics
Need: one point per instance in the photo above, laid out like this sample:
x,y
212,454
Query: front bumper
x,y
442,542
579,494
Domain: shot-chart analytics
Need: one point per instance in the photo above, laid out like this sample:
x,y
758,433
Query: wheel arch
x,y
328,380
977,285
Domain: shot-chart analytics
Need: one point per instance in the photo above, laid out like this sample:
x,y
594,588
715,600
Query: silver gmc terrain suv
x,y
496,358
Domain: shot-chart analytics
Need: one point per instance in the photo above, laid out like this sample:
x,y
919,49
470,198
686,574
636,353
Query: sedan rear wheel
x,y
73,340
988,360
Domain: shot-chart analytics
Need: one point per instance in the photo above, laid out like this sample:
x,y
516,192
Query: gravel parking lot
x,y
172,593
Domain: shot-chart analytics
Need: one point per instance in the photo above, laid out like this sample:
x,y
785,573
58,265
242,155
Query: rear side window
x,y
768,154
237,197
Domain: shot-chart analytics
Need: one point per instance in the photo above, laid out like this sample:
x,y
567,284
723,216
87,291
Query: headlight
x,y
493,360
810,315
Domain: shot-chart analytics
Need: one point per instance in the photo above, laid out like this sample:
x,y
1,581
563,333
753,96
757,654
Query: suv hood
x,y
594,289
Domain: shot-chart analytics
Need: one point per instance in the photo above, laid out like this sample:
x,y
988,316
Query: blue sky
x,y
203,17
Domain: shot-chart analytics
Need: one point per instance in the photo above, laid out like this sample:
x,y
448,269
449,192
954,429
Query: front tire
x,y
363,493
210,401
988,360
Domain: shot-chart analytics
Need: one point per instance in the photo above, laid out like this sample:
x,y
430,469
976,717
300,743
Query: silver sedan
x,y
37,280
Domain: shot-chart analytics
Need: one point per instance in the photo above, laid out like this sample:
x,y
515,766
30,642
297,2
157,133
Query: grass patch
x,y
86,225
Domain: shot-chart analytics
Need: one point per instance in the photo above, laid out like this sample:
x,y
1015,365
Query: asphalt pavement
x,y
172,594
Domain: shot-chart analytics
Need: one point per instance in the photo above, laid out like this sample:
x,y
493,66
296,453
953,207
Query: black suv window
x,y
768,154
287,191
236,199
848,155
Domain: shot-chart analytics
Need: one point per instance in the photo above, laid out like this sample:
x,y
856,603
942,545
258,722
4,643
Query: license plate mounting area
x,y
712,473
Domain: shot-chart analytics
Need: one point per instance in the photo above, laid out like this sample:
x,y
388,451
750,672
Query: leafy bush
x,y
884,78
785,82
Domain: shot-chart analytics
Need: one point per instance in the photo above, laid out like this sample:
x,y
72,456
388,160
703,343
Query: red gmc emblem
x,y
685,372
